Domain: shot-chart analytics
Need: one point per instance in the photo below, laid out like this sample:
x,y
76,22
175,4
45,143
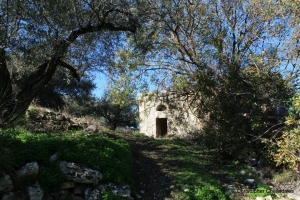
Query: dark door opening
x,y
161,127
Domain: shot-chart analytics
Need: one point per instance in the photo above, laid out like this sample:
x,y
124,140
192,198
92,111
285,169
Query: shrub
x,y
283,177
32,113
241,112
286,148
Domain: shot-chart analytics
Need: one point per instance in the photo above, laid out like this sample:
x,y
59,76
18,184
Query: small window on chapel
x,y
161,108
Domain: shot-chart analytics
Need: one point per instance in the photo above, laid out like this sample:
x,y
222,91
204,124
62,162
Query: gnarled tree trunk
x,y
11,109
5,88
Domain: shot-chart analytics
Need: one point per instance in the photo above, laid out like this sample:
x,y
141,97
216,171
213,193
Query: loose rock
x,y
249,181
6,183
35,192
293,197
92,194
269,197
124,191
9,196
29,169
53,157
103,187
80,174
90,129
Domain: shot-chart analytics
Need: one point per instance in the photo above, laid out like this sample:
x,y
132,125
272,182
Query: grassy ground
x,y
111,157
162,168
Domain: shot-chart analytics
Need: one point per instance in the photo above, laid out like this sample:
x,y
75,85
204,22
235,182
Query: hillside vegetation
x,y
152,168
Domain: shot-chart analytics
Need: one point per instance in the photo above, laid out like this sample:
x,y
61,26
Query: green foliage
x,y
262,191
240,115
118,108
80,107
286,148
122,92
111,157
62,85
283,177
32,113
181,83
207,192
62,91
86,44
50,177
139,135
232,77
110,196
100,154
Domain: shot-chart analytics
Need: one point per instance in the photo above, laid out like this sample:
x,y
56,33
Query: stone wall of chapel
x,y
180,119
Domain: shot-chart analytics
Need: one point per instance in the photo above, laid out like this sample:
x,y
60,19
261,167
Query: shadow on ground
x,y
151,181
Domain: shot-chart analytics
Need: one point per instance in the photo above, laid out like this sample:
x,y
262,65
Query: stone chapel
x,y
165,114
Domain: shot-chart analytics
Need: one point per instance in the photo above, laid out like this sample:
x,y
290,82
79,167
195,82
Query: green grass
x,y
261,191
139,135
111,157
198,175
190,179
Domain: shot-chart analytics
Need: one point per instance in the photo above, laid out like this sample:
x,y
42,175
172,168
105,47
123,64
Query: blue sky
x,y
100,81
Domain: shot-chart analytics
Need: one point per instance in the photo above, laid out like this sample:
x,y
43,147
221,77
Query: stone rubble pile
x,y
283,192
42,120
79,174
77,186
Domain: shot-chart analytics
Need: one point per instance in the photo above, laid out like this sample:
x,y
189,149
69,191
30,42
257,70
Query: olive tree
x,y
45,35
115,114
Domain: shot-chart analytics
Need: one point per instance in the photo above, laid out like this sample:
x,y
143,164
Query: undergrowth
x,y
111,157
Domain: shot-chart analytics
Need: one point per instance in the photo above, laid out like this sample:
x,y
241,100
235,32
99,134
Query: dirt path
x,y
152,181
165,169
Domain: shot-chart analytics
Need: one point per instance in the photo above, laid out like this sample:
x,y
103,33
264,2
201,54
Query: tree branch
x,y
99,27
69,67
